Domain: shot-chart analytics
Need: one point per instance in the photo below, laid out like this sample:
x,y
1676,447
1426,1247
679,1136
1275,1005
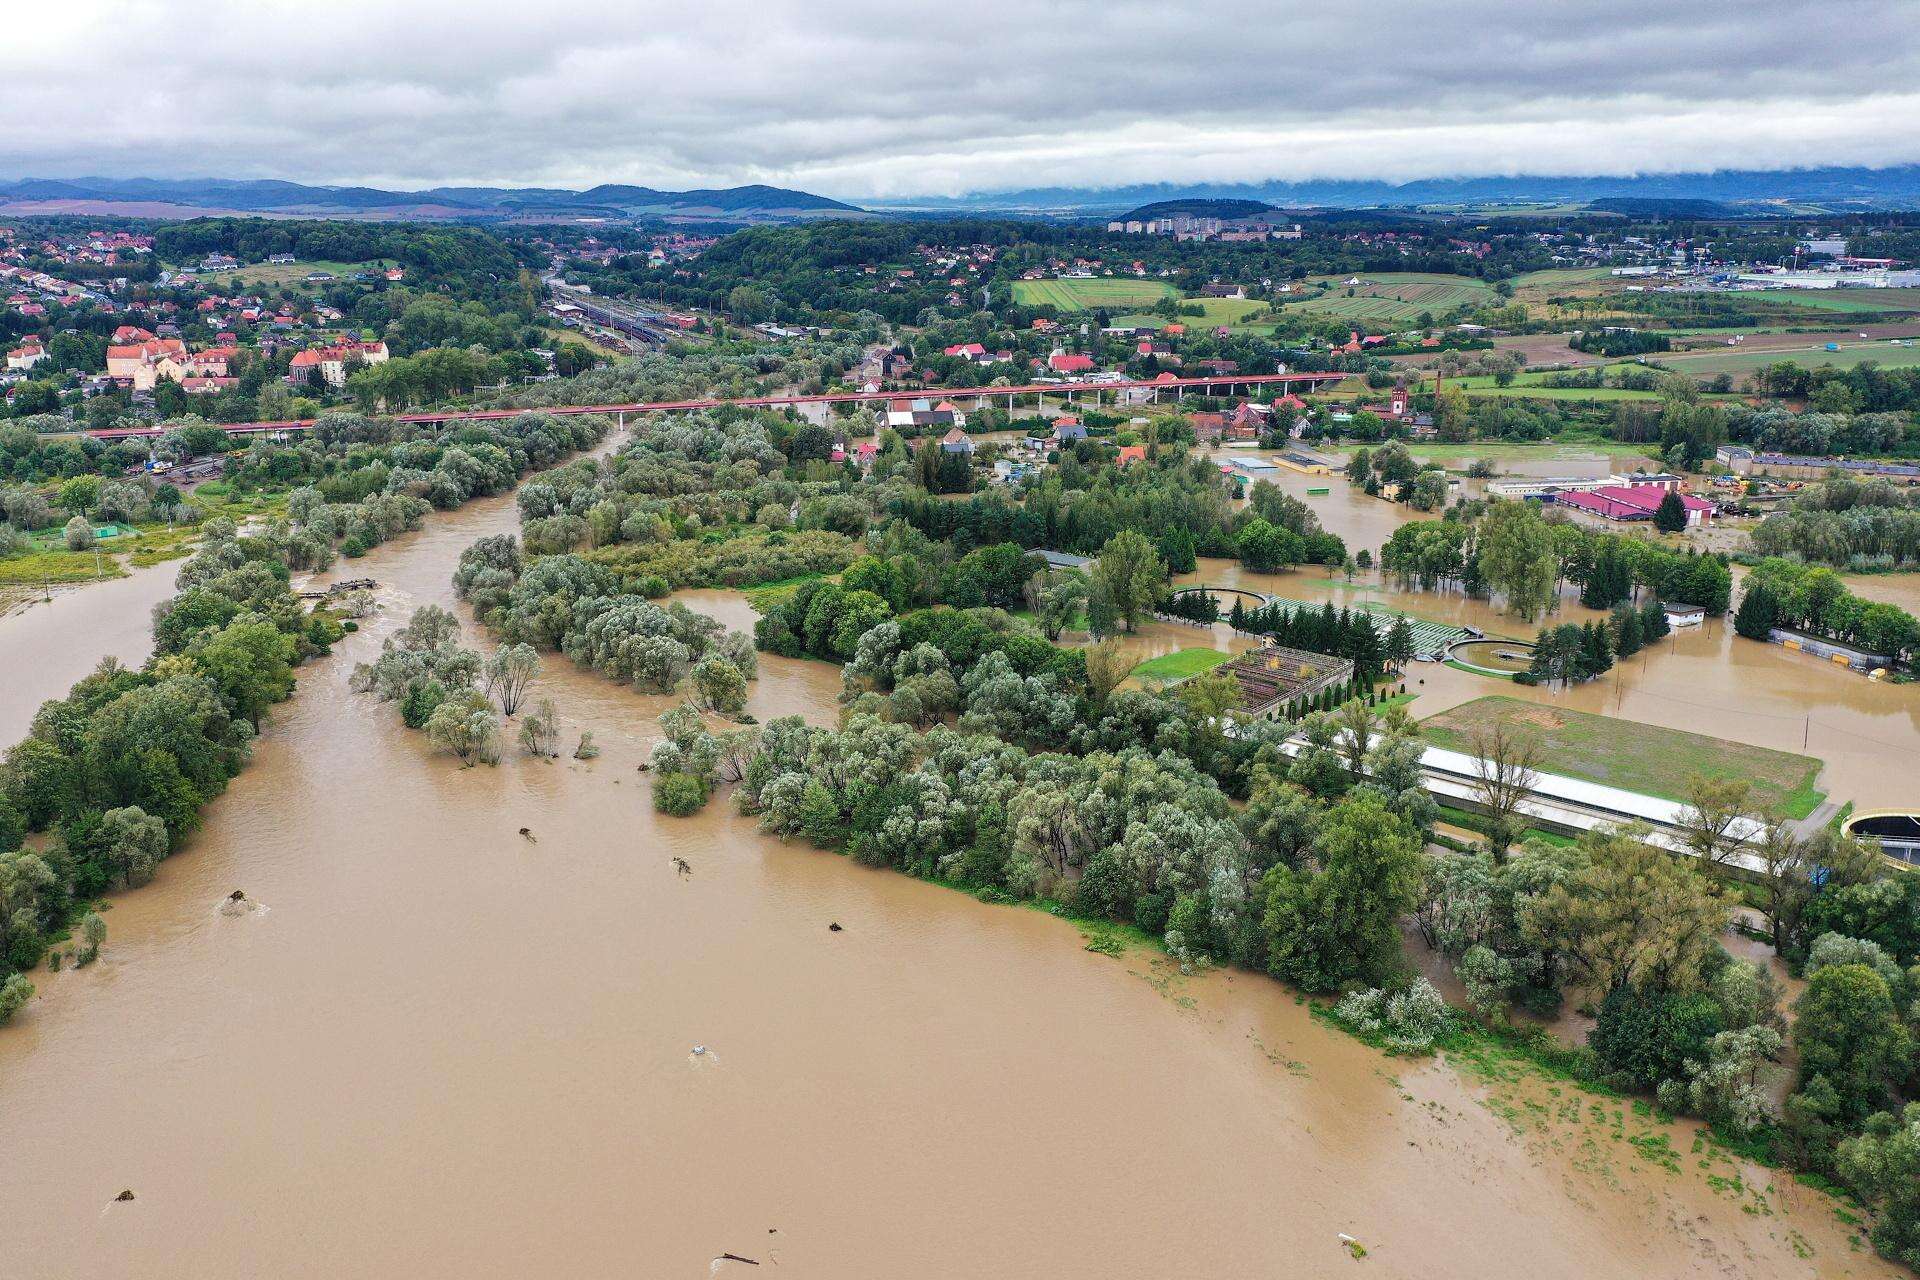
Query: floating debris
x,y
684,867
528,833
732,1257
125,1195
1354,1247
835,928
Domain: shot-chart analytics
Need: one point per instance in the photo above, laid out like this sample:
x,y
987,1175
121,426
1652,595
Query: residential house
x,y
956,441
1065,362
26,355
1208,427
1067,429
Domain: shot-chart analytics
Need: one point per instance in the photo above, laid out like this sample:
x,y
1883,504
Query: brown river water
x,y
444,1049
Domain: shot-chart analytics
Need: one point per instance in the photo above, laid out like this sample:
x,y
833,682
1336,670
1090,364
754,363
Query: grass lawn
x,y
1635,757
293,275
1178,666
140,546
1112,292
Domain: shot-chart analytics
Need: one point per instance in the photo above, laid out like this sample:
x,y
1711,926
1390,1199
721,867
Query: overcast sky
x,y
853,99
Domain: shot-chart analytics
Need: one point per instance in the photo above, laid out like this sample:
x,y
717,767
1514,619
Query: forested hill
x,y
1199,208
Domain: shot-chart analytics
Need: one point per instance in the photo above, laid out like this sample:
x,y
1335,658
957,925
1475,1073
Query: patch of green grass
x,y
768,594
1475,671
36,567
1472,821
1111,292
1633,756
1178,666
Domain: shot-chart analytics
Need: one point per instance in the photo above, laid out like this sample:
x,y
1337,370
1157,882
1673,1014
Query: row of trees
x,y
1787,593
1511,549
569,604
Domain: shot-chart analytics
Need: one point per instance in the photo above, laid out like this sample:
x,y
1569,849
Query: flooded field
x,y
446,1049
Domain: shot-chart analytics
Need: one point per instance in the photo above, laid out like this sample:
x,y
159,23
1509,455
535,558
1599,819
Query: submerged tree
x,y
465,725
540,731
508,674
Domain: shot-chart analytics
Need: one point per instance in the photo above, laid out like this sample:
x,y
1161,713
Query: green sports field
x,y
1114,293
1394,297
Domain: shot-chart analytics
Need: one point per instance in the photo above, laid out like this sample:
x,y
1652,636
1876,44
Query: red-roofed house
x,y
26,355
1131,453
1069,362
332,362
1208,427
966,350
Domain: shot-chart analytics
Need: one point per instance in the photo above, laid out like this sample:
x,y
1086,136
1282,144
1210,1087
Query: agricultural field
x,y
1635,757
1114,293
1394,297
1845,301
1738,362
1234,313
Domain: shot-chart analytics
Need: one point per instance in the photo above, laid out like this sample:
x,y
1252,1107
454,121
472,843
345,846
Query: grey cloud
x,y
851,97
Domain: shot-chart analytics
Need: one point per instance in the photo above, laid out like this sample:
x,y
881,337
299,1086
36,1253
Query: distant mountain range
x,y
163,197
1755,190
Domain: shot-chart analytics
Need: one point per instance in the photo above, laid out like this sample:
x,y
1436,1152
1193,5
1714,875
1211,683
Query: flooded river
x,y
46,646
445,1049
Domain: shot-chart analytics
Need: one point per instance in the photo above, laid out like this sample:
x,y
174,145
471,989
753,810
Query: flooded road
x,y
444,1049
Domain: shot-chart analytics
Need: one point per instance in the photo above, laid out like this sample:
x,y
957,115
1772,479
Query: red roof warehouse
x,y
1633,502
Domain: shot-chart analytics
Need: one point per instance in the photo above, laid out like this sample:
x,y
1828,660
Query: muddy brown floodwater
x,y
46,646
443,1049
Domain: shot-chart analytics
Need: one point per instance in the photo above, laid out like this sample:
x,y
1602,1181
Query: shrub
x,y
679,794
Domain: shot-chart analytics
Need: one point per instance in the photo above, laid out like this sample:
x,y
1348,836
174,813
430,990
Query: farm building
x,y
1684,615
1788,466
1633,502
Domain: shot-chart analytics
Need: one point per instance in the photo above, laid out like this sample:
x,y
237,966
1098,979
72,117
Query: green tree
x,y
251,663
79,534
1671,515
1130,575
1882,1164
1518,558
1848,1034
1337,925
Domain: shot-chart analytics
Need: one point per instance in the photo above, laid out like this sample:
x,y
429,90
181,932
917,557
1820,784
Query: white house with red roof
x,y
333,362
26,355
